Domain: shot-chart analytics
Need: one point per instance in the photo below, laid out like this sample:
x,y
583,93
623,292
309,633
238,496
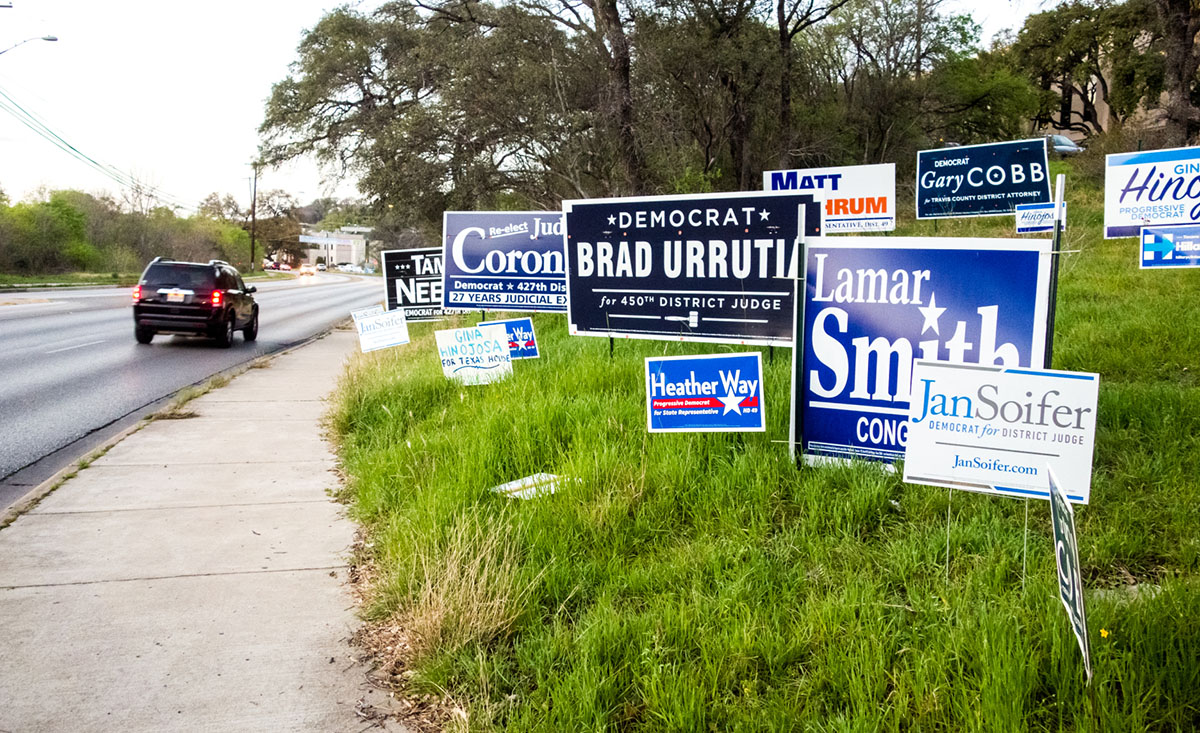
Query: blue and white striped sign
x,y
1164,247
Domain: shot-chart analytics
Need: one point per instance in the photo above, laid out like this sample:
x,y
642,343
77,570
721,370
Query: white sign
x,y
361,313
311,239
858,198
1066,556
475,355
1153,188
381,330
1034,218
995,429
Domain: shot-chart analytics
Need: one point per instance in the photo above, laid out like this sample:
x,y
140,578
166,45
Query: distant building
x,y
348,245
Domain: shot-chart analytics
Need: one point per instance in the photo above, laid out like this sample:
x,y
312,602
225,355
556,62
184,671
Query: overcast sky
x,y
173,93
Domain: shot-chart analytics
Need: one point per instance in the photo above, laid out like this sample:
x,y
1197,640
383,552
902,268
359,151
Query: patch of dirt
x,y
24,301
388,648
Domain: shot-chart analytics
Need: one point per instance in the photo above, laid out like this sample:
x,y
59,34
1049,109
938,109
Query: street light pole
x,y
253,214
27,40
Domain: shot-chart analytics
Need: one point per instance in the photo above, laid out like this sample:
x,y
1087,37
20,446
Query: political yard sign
x,y
716,268
413,278
1037,218
873,305
997,430
371,310
522,343
1154,188
1070,578
715,393
381,330
475,355
504,260
1164,247
858,198
981,180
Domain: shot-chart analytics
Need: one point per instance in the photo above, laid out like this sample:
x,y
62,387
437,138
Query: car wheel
x,y
143,335
225,336
250,332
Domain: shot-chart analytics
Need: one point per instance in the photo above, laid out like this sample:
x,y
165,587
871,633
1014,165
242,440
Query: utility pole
x,y
253,214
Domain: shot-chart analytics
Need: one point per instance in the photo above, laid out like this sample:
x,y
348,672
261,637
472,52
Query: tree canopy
x,y
465,104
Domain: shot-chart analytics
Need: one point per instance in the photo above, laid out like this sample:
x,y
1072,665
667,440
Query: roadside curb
x,y
45,488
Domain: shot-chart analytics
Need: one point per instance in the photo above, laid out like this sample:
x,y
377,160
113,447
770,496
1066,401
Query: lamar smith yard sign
x,y
875,304
995,430
714,267
504,261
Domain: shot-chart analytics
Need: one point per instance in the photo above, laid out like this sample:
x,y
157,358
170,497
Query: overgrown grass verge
x,y
9,280
702,582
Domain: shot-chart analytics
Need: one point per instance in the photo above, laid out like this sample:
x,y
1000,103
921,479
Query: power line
x,y
34,123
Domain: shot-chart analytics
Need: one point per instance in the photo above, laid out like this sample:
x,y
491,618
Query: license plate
x,y
174,297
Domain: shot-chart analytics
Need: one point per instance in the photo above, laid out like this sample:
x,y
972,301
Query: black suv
x,y
194,298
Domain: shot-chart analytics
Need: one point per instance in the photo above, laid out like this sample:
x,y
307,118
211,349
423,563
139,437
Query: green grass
x,y
702,582
69,278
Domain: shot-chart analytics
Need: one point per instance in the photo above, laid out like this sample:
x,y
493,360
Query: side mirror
x,y
251,289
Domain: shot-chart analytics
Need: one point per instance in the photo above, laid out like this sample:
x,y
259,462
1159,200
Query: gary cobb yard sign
x,y
873,305
713,268
981,180
504,261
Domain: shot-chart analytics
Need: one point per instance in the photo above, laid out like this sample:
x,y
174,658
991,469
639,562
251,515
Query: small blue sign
x,y
504,261
1170,247
715,393
981,180
522,344
1035,218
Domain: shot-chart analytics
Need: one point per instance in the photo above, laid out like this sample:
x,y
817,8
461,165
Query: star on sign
x,y
763,215
612,220
932,313
732,403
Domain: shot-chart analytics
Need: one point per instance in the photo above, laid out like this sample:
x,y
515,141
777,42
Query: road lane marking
x,y
77,346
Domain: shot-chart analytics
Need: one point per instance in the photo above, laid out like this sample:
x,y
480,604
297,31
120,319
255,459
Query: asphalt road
x,y
70,369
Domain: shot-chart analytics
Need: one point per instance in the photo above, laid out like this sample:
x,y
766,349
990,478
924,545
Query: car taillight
x,y
216,297
137,293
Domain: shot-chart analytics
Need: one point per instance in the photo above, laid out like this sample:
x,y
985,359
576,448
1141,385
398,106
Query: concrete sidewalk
x,y
193,578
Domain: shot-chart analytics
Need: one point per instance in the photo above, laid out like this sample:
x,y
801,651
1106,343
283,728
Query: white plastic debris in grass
x,y
539,484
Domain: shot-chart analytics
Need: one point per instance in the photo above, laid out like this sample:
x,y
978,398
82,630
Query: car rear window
x,y
187,277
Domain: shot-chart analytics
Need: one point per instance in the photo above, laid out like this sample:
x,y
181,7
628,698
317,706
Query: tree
x,y
222,208
1087,56
277,228
890,79
792,17
1180,22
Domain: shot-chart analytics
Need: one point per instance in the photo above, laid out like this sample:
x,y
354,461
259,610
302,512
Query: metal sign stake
x,y
1055,254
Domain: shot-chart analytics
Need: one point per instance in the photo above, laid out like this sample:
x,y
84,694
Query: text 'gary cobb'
x,y
714,267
